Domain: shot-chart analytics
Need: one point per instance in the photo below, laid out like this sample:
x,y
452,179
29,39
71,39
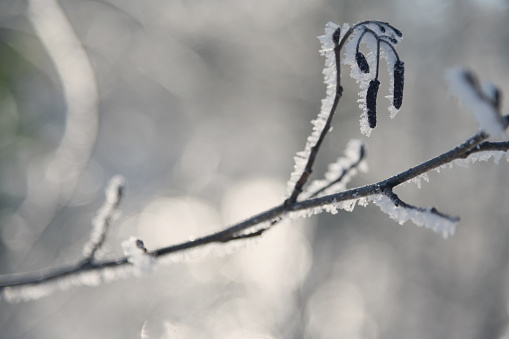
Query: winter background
x,y
201,106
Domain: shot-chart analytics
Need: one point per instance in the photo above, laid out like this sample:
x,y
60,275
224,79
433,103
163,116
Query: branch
x,y
253,226
136,259
105,218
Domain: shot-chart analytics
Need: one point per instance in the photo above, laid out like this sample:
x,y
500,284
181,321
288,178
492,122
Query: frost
x,y
137,255
330,80
391,60
421,217
207,250
362,202
16,294
106,215
347,205
418,179
343,168
309,212
481,156
358,73
464,87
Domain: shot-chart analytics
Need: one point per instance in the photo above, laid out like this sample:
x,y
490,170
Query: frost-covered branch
x,y
333,42
326,195
105,217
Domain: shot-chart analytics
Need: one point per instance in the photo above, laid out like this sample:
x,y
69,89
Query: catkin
x,y
399,80
371,102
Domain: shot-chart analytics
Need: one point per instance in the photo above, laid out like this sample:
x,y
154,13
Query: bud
x,y
371,102
397,31
336,35
361,62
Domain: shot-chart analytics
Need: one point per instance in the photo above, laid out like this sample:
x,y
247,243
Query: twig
x,y
105,217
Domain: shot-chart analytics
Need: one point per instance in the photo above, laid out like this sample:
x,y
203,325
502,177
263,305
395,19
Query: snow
x,y
477,101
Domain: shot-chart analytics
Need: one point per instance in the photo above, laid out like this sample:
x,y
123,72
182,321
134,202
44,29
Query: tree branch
x,y
235,232
13,286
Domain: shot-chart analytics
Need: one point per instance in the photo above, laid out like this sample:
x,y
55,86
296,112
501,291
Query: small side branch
x,y
308,168
105,217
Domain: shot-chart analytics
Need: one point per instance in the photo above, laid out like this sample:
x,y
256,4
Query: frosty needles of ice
x,y
319,123
420,217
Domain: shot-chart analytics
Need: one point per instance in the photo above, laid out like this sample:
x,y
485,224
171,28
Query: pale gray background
x,y
202,106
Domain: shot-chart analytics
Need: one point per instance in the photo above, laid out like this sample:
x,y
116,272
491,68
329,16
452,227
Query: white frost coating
x,y
208,250
390,58
481,156
329,73
362,202
306,213
420,218
488,118
92,278
333,208
362,78
418,179
106,215
351,156
137,255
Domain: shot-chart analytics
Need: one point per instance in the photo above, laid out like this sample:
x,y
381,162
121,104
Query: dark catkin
x,y
399,80
371,102
362,62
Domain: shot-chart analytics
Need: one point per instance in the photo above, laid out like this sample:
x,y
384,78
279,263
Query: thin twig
x,y
343,174
105,218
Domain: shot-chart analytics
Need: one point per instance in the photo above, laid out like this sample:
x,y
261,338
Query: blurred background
x,y
202,105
